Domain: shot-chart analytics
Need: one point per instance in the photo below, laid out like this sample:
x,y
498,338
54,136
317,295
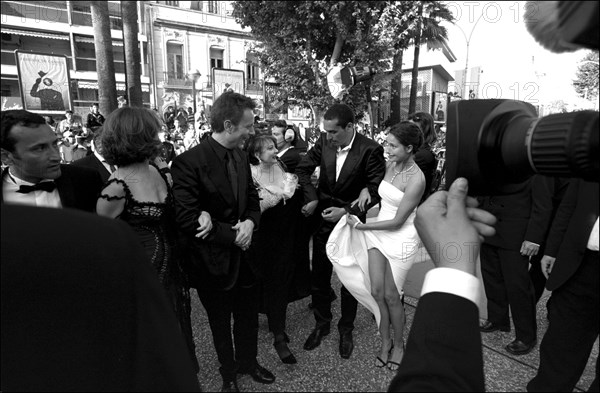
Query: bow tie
x,y
48,186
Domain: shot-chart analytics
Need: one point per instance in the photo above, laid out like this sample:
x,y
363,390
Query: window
x,y
252,69
196,5
175,60
172,3
216,58
213,7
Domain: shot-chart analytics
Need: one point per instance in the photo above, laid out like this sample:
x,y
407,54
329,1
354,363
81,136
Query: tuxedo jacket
x,y
78,187
200,183
443,350
82,309
94,163
516,223
291,158
571,229
364,167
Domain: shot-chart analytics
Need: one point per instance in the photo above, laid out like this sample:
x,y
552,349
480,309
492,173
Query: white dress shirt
x,y
281,153
593,240
341,156
452,281
11,184
103,161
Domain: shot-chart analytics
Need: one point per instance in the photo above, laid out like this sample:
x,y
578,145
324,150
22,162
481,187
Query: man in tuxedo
x,y
348,163
214,177
505,264
34,175
571,264
289,155
82,309
95,161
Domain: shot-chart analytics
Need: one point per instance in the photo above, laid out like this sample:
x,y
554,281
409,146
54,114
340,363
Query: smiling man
x,y
34,175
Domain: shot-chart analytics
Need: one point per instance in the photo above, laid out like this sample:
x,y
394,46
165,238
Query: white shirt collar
x,y
282,152
349,146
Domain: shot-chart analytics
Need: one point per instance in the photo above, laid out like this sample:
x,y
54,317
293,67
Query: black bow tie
x,y
48,186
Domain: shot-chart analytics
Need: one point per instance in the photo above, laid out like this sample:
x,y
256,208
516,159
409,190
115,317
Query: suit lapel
x,y
349,164
242,180
330,156
65,187
217,167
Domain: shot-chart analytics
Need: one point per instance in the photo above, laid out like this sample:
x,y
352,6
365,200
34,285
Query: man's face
x,y
176,123
36,156
336,135
245,127
94,109
279,134
69,116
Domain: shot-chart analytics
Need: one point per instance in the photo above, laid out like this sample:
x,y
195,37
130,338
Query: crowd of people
x,y
231,214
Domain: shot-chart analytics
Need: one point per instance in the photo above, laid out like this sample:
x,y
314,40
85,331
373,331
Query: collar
x,y
281,153
99,157
18,181
349,146
220,150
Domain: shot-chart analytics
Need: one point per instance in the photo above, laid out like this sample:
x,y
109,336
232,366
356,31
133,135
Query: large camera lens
x,y
496,144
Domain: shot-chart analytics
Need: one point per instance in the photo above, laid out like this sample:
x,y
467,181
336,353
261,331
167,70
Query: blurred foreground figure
x,y
80,316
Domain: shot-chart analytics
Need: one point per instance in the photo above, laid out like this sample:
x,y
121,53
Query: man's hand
x,y
205,225
333,214
363,199
243,237
309,208
529,249
452,228
547,263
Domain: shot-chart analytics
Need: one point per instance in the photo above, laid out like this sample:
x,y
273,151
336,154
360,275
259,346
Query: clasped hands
x,y
243,229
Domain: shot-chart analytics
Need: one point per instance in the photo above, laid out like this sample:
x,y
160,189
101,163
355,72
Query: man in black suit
x,y
505,265
443,351
348,163
82,309
287,153
214,177
95,161
34,175
571,264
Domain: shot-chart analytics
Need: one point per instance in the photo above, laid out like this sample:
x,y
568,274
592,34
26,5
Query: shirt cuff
x,y
452,281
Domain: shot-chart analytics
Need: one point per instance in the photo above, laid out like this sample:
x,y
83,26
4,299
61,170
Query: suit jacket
x,y
78,187
291,158
82,309
200,183
94,163
516,222
571,228
443,351
364,167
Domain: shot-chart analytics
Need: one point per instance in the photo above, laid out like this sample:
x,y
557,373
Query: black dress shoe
x,y
518,347
488,327
346,345
260,374
314,340
230,386
283,351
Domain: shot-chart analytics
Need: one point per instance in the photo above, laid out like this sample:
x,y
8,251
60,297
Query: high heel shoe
x,y
394,366
380,363
283,351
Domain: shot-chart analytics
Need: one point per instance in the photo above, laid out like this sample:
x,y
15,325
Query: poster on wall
x,y
439,106
44,82
227,80
276,102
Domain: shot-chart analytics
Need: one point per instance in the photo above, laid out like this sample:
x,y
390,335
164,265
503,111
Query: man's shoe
x,y
230,386
260,374
314,340
518,347
346,345
488,327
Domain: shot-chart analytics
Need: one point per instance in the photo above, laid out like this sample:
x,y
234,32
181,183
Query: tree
x,y
586,82
132,52
299,42
430,31
105,66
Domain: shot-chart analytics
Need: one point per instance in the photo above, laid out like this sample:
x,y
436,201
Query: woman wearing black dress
x,y
425,158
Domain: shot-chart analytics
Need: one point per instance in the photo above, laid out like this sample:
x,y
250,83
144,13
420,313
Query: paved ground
x,y
324,370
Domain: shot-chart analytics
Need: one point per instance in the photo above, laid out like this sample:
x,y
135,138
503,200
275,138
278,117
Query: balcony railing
x,y
89,64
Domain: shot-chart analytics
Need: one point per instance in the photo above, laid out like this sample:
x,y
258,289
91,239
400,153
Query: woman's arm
x,y
111,201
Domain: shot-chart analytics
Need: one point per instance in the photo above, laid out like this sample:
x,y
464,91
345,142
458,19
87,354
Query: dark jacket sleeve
x,y
542,192
443,351
306,168
252,211
562,218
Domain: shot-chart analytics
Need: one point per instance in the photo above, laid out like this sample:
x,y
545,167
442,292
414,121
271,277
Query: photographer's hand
x,y
450,217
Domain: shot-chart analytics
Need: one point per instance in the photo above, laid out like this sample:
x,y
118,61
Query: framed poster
x,y
227,80
44,82
276,102
439,106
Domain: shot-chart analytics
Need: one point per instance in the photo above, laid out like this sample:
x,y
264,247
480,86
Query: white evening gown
x,y
347,249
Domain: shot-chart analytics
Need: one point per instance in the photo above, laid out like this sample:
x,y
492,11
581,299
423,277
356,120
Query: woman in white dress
x,y
391,240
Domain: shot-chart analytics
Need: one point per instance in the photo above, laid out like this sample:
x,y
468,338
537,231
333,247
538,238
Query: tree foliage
x,y
586,82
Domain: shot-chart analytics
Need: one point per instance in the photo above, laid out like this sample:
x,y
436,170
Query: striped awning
x,y
120,86
38,34
90,40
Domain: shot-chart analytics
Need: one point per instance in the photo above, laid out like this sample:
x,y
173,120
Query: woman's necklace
x,y
396,173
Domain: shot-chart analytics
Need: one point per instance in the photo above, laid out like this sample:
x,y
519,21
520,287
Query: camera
x,y
497,144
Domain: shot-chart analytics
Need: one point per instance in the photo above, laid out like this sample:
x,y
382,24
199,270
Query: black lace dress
x,y
153,222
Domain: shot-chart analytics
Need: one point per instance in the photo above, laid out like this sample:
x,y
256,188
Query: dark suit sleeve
x,y
443,351
191,199
375,173
542,192
252,211
562,218
306,168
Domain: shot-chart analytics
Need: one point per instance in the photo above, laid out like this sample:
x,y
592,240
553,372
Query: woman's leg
x,y
377,266
397,317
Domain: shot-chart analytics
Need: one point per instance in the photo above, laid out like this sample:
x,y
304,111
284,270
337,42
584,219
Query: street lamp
x,y
468,40
194,75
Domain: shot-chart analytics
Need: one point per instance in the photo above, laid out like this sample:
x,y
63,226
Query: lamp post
x,y
468,40
193,75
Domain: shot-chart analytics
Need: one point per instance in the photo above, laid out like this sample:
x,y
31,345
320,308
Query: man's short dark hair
x,y
280,123
16,118
95,104
229,106
342,112
69,111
